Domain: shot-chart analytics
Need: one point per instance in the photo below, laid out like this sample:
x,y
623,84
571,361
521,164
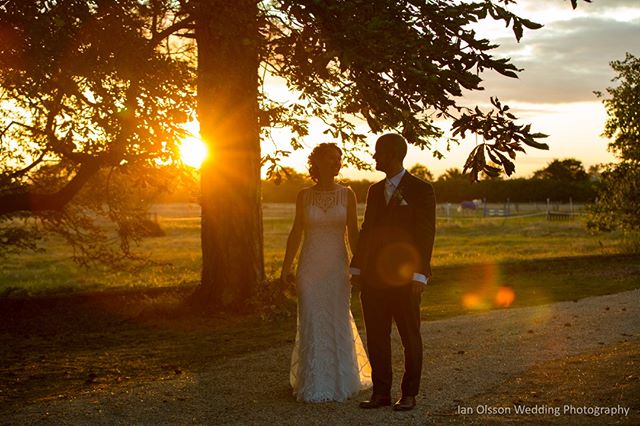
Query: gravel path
x,y
464,356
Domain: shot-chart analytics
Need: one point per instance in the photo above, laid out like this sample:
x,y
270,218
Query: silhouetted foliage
x,y
422,172
574,3
568,170
397,65
453,187
618,206
452,174
285,190
91,111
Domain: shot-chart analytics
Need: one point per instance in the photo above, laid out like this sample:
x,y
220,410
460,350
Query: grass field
x,y
474,258
459,241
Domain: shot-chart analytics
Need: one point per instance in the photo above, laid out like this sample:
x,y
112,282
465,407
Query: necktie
x,y
389,189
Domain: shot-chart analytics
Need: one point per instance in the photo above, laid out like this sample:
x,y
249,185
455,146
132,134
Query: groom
x,y
391,265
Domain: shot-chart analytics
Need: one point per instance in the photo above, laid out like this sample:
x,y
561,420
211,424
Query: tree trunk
x,y
232,240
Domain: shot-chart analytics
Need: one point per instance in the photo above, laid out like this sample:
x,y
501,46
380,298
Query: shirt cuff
x,y
420,278
416,277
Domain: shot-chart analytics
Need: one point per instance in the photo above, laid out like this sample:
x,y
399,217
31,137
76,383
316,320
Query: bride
x,y
329,362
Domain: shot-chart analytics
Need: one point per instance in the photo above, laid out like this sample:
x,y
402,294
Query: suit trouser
x,y
380,308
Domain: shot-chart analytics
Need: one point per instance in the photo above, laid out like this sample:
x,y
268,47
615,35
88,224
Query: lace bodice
x,y
325,217
325,200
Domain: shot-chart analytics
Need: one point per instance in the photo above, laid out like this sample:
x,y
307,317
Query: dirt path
x,y
472,360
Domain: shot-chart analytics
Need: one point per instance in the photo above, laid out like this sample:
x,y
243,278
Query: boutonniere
x,y
398,198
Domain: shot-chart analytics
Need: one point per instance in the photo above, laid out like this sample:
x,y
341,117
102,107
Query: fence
x,y
553,210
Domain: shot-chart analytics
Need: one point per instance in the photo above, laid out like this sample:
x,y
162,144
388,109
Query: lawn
x,y
527,259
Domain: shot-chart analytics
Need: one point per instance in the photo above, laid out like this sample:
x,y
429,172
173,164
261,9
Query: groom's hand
x,y
416,288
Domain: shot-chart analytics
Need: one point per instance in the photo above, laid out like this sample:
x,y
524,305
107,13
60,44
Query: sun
x,y
193,151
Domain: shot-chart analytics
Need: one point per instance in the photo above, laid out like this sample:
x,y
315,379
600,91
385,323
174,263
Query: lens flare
x,y
397,263
504,297
489,291
473,301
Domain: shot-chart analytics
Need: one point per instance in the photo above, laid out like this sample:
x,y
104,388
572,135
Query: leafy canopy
x,y
618,206
397,66
566,170
93,97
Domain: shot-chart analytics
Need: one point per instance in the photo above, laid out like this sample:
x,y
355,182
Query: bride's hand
x,y
286,277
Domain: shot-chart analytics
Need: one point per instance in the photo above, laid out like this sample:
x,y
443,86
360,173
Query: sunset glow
x,y
193,152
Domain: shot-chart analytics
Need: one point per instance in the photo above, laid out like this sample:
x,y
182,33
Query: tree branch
x,y
28,168
159,36
36,202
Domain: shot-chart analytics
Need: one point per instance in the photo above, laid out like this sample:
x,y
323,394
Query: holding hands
x,y
287,278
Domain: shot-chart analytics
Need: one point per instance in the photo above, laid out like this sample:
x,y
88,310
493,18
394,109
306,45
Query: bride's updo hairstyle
x,y
316,154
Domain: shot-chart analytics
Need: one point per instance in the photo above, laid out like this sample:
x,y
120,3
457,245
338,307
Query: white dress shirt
x,y
390,185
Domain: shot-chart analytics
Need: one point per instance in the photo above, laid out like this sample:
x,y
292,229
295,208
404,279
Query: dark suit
x,y
395,242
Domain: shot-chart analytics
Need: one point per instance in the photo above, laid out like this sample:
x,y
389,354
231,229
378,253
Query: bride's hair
x,y
318,152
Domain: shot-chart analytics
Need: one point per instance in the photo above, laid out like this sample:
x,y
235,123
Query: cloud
x,y
595,5
565,61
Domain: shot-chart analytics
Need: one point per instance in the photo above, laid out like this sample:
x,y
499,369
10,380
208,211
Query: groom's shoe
x,y
405,403
376,401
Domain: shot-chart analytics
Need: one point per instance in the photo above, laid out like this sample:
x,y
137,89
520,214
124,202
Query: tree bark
x,y
232,238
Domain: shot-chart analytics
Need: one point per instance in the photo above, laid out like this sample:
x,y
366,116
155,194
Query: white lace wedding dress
x,y
329,362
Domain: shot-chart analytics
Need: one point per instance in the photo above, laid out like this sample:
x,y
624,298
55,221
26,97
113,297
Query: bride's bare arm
x,y
352,220
293,242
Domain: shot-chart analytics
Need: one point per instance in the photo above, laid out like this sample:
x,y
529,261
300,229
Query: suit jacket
x,y
396,240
